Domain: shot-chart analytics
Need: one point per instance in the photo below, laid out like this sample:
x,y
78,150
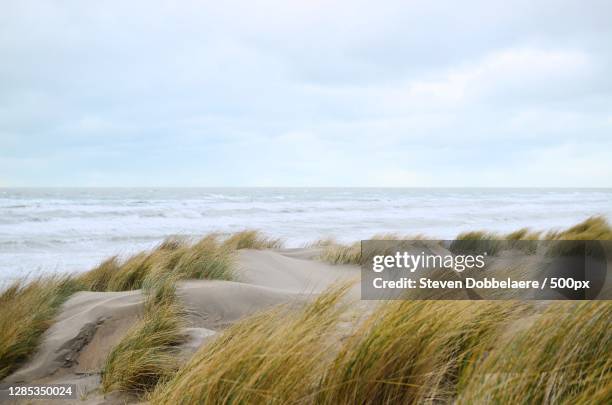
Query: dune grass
x,y
405,352
273,357
252,239
564,357
414,352
206,259
27,311
408,352
336,253
28,307
593,228
148,353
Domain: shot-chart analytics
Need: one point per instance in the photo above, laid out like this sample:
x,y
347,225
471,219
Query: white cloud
x,y
307,93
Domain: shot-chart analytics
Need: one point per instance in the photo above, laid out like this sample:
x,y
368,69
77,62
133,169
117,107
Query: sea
x,y
46,230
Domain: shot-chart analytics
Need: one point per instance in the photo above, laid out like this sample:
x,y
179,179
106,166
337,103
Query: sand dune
x,y
88,326
91,323
292,270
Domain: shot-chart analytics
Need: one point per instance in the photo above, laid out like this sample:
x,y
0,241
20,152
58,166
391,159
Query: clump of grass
x,y
132,273
564,357
413,352
342,254
338,253
523,234
593,228
205,259
33,304
252,239
172,243
148,353
27,311
98,278
475,242
273,357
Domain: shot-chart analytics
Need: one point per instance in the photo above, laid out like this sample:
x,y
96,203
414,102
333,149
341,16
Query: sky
x,y
306,93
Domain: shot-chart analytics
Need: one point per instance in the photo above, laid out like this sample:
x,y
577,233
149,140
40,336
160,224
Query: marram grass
x,y
206,259
563,357
26,311
252,239
593,228
27,308
338,253
408,352
275,357
148,353
414,352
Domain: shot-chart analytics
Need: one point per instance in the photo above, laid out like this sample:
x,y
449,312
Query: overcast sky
x,y
306,93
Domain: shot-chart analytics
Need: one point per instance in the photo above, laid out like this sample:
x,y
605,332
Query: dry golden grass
x,y
338,253
252,239
205,259
405,352
408,352
33,304
563,357
414,352
98,278
342,254
272,357
593,228
27,311
148,353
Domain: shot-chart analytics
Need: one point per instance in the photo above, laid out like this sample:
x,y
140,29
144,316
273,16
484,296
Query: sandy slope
x,y
91,323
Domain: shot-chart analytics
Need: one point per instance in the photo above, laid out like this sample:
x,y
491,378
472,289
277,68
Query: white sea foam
x,y
44,230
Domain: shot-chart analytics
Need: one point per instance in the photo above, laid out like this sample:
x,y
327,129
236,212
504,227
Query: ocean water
x,y
71,230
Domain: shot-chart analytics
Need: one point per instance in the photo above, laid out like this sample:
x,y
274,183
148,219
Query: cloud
x,y
308,93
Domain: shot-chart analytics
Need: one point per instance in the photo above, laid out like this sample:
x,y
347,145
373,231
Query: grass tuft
x,y
593,228
98,278
148,353
563,357
33,304
414,352
205,259
338,253
27,311
252,239
342,254
272,357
